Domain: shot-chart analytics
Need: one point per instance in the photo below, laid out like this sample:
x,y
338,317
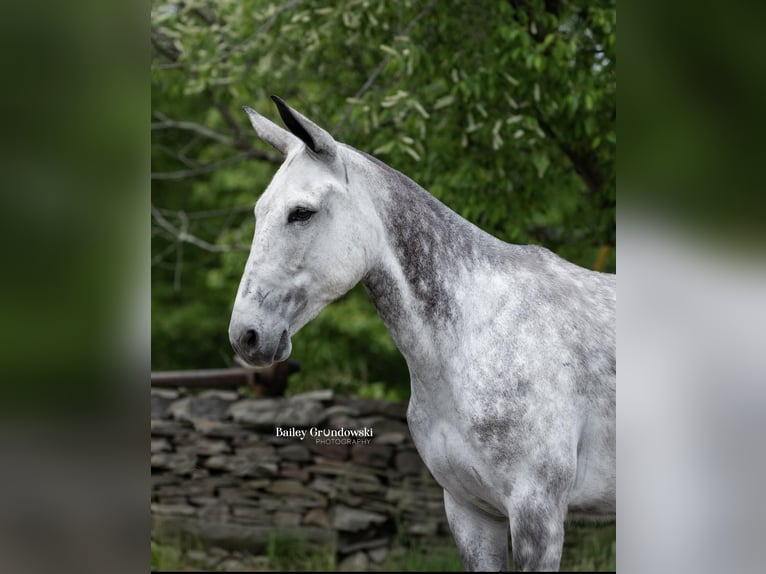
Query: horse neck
x,y
416,276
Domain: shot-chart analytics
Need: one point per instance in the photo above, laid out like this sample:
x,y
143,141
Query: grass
x,y
588,548
417,558
288,553
283,552
172,558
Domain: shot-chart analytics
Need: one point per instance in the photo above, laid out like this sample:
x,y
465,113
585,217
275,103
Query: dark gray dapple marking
x,y
511,349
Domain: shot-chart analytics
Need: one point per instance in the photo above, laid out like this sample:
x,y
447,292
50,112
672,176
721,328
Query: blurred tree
x,y
504,111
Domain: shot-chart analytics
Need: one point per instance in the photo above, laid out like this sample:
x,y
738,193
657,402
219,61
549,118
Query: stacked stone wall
x,y
222,474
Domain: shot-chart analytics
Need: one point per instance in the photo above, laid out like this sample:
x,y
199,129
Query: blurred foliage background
x,y
505,111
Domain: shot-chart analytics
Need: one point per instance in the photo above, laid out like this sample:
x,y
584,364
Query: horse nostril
x,y
250,340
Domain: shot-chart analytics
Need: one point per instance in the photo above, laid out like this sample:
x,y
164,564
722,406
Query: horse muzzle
x,y
260,347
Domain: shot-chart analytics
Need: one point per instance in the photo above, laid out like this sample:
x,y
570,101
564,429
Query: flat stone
x,y
356,562
330,451
179,463
266,414
290,488
256,563
384,425
392,438
301,503
245,466
161,400
281,440
248,437
169,394
378,555
394,409
342,421
197,556
231,536
380,507
317,517
218,429
350,519
282,518
350,547
220,481
367,407
401,495
186,488
158,480
231,565
260,452
171,500
217,462
294,452
257,484
170,429
409,462
208,447
377,455
351,500
242,466
228,396
188,409
252,514
335,468
321,484
218,512
367,488
238,494
269,469
294,472
321,395
203,500
344,412
160,445
423,528
272,504
173,509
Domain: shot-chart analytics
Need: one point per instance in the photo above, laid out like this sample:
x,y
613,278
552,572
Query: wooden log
x,y
266,381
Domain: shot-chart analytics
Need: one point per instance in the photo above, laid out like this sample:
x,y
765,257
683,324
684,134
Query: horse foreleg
x,y
537,535
481,539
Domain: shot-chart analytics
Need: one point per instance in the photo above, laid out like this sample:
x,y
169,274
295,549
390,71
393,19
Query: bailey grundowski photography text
x,y
329,436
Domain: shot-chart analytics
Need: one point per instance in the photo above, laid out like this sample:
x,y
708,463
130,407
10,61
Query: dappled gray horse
x,y
511,349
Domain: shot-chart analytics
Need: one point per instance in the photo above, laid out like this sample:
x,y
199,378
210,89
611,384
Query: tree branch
x,y
263,29
239,141
211,213
583,164
381,66
183,236
211,167
167,123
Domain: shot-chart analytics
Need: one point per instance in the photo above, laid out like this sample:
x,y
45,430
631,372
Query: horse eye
x,y
300,214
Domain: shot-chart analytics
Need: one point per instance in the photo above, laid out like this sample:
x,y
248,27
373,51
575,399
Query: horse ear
x,y
316,139
270,132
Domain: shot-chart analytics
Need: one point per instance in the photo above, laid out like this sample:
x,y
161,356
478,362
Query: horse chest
x,y
452,458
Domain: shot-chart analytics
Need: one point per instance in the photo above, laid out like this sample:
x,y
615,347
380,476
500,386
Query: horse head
x,y
313,241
